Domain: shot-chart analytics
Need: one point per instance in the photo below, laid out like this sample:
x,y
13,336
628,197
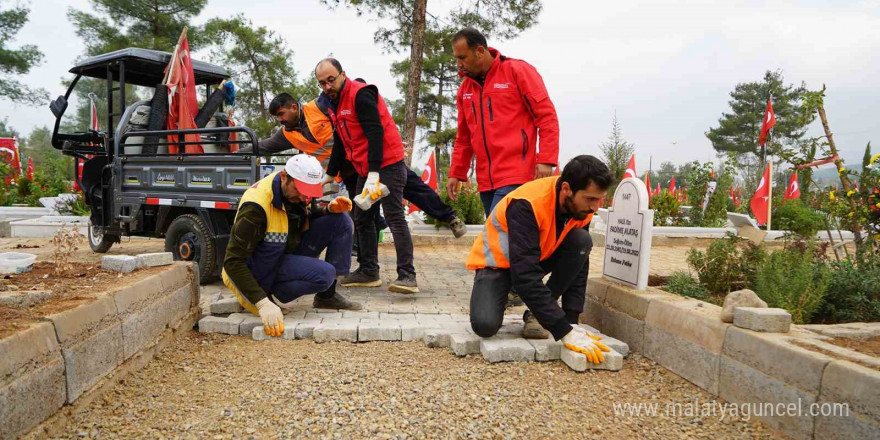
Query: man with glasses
x,y
366,135
503,107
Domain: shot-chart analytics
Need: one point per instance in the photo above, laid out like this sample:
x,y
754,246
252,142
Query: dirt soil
x,y
222,387
870,347
80,285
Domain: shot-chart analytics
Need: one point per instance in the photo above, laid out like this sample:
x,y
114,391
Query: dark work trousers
x,y
568,267
394,177
302,273
493,196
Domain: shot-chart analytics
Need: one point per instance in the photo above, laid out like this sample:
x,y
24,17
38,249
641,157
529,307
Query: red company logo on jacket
x,y
501,85
345,112
467,96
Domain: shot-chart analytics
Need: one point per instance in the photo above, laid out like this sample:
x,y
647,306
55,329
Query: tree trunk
x,y
855,225
411,104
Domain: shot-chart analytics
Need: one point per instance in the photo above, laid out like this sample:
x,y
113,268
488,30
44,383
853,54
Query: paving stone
x,y
384,331
398,316
306,328
295,314
546,349
739,298
464,344
502,348
324,315
249,323
857,385
259,334
437,337
458,317
155,259
359,314
339,332
578,361
226,305
24,298
762,320
685,358
340,321
119,263
216,324
413,331
424,317
617,345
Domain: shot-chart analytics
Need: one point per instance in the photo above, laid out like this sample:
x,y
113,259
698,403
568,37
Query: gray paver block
x,y
226,305
306,328
464,344
249,323
762,320
119,263
324,315
457,317
359,314
154,259
24,298
90,360
259,334
546,349
437,337
398,316
383,331
507,349
578,361
617,345
338,332
413,331
216,324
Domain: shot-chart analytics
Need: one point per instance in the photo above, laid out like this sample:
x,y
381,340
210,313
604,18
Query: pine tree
x,y
616,151
17,61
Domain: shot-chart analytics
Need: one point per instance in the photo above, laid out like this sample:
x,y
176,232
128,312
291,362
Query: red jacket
x,y
349,129
500,124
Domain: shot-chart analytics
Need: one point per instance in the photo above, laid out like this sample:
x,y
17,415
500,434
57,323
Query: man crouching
x,y
278,234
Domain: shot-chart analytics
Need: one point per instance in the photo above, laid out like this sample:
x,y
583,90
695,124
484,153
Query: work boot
x,y
337,302
513,300
361,279
457,227
532,329
405,285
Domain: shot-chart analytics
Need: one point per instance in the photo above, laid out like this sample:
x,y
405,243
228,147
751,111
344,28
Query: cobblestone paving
x,y
444,283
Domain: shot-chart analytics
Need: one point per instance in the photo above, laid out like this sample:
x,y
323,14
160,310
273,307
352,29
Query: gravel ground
x,y
225,387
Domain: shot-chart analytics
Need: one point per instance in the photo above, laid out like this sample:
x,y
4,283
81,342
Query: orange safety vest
x,y
491,248
321,129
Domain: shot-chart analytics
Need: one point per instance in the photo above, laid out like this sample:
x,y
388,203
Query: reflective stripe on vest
x,y
492,246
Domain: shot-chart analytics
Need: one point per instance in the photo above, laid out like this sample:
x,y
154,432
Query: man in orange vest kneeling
x,y
540,228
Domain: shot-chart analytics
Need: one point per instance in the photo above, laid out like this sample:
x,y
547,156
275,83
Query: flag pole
x,y
770,194
174,55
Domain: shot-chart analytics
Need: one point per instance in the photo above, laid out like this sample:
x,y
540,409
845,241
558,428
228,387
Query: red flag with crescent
x,y
793,190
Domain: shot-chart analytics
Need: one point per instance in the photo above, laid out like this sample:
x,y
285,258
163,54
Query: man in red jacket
x,y
503,108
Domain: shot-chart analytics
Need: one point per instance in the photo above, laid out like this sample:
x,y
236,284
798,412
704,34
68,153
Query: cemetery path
x,y
218,387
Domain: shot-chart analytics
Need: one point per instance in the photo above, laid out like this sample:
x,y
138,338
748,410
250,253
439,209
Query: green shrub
x,y
853,295
792,279
795,216
665,206
719,266
682,283
467,205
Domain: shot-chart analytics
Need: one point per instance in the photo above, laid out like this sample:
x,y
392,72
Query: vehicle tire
x,y
188,239
99,242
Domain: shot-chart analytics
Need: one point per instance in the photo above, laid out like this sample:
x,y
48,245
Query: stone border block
x,y
155,259
859,386
693,362
119,263
624,327
378,332
216,324
464,344
335,332
762,319
546,349
597,288
578,361
694,321
226,305
500,348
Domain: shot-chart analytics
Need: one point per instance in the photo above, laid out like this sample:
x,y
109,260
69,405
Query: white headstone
x,y
628,235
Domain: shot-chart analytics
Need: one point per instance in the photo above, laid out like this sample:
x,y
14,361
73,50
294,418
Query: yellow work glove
x,y
371,187
339,205
582,342
273,319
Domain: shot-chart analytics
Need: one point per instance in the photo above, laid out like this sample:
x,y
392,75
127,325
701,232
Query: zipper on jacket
x,y
529,104
491,117
525,143
485,141
345,126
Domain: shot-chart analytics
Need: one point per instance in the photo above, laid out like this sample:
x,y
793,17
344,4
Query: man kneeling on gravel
x,y
278,234
540,228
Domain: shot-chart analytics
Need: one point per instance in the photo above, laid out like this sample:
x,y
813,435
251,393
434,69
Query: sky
x,y
666,68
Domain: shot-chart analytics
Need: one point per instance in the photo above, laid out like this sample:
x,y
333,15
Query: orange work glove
x,y
339,205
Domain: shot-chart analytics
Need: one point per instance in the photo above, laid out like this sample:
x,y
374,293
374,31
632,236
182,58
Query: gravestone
x,y
628,235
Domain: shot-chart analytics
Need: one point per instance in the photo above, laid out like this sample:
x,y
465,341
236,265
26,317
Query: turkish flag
x,y
429,176
182,102
769,122
631,168
672,185
760,203
648,184
657,190
9,149
793,190
30,170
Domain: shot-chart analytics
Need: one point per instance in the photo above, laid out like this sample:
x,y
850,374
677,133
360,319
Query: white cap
x,y
307,173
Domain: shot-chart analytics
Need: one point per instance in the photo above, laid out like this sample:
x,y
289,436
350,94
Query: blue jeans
x,y
493,196
302,273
